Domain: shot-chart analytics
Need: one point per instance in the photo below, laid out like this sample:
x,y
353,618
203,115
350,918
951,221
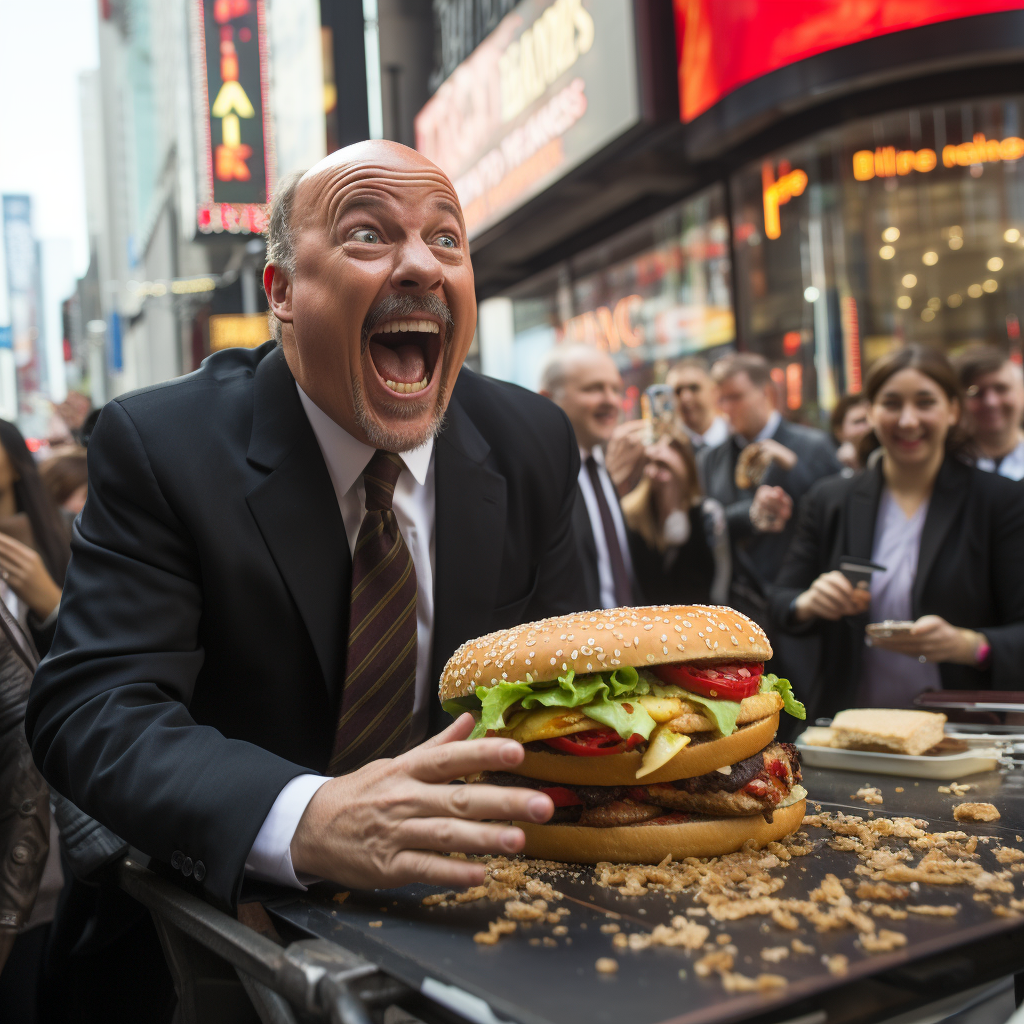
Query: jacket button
x,y
176,859
19,855
186,867
199,871
28,806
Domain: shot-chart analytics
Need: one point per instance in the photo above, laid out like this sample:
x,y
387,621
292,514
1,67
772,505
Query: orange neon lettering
x,y
864,165
949,156
632,337
777,193
609,334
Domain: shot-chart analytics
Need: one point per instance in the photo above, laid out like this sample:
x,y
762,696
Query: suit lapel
x,y
297,512
948,497
469,531
863,511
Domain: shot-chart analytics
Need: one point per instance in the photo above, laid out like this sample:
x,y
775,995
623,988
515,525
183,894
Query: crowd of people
x,y
729,502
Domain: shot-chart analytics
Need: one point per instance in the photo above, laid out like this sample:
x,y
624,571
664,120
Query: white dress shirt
x,y
716,434
604,561
270,858
1010,465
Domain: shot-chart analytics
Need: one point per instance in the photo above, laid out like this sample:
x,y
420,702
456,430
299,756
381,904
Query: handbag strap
x,y
19,639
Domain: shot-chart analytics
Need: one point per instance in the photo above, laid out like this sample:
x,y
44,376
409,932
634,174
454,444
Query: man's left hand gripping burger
x,y
652,730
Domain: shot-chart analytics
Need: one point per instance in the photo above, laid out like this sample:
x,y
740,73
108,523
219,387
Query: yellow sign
x,y
238,330
887,161
777,193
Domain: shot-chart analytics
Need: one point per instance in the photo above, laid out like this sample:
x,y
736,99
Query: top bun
x,y
602,641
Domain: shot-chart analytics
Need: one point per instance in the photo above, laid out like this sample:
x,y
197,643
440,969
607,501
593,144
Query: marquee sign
x,y
236,173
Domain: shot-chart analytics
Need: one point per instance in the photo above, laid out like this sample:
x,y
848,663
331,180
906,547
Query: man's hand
x,y
386,824
785,457
624,456
770,510
934,639
832,596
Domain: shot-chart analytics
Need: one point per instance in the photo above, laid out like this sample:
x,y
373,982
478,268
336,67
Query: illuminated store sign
x,y
887,161
727,44
548,88
235,155
778,192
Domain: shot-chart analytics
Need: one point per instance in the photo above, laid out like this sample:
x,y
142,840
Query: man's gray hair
x,y
280,241
554,369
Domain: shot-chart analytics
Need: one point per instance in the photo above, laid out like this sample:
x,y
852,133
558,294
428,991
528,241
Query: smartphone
x,y
657,407
888,628
859,572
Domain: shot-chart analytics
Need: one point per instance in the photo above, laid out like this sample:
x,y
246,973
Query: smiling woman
x,y
948,535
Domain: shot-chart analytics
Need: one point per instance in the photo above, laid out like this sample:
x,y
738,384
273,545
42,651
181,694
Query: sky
x,y
45,45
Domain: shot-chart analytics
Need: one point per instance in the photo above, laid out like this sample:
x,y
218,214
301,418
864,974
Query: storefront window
x,y
906,227
647,297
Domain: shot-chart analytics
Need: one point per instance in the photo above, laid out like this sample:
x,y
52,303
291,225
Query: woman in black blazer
x,y
950,536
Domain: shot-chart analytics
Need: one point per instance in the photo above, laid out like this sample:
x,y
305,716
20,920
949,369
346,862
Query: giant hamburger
x,y
652,730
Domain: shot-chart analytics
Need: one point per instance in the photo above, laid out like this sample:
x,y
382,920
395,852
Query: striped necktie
x,y
380,676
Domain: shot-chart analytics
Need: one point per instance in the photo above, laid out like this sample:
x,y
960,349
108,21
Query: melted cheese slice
x,y
547,723
662,709
661,748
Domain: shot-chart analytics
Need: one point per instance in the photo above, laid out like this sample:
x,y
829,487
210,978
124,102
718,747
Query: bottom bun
x,y
650,844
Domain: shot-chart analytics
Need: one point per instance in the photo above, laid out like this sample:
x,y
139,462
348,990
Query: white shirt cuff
x,y
270,859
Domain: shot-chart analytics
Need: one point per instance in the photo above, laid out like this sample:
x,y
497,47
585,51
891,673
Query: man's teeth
x,y
394,326
408,389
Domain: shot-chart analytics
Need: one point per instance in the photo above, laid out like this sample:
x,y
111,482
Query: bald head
x,y
369,277
586,384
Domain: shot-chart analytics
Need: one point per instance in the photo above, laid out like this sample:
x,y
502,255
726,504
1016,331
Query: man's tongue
x,y
403,364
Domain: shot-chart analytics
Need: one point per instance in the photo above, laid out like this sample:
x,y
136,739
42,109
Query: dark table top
x,y
432,948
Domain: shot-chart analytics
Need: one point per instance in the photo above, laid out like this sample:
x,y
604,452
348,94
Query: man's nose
x,y
416,269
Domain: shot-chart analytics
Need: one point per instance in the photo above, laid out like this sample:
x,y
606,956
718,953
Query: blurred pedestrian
x,y
759,487
994,409
697,403
65,476
585,383
34,545
949,536
849,422
677,537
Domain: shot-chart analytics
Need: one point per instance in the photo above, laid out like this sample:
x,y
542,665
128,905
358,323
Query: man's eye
x,y
447,242
366,235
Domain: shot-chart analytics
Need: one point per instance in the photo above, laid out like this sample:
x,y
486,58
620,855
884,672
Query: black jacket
x,y
969,572
586,550
201,642
757,557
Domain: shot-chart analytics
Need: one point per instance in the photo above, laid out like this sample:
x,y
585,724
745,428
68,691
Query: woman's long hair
x,y
638,508
932,363
48,529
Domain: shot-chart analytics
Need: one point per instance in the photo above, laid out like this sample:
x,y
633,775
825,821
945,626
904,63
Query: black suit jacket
x,y
200,647
757,557
586,548
969,572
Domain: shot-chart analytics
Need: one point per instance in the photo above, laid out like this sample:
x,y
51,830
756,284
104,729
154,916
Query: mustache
x,y
407,306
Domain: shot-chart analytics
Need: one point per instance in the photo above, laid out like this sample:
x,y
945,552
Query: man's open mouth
x,y
405,352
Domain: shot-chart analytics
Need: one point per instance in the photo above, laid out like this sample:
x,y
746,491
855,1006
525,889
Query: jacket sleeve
x,y
1007,556
801,566
108,712
560,586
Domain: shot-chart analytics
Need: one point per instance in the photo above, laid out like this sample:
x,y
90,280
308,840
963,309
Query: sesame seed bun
x,y
620,769
651,843
602,641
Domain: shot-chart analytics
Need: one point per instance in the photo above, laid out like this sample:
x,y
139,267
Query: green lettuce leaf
x,y
784,688
723,713
598,696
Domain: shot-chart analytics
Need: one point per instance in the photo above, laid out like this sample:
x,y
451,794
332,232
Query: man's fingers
x,y
502,803
458,730
450,835
433,869
442,763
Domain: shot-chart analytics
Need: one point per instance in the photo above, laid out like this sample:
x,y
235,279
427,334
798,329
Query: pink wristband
x,y
982,653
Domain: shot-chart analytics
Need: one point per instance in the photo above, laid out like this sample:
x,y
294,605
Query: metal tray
x,y
948,766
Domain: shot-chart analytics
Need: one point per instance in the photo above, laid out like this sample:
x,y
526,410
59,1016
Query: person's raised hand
x,y
624,455
771,509
23,571
934,639
779,453
389,823
832,596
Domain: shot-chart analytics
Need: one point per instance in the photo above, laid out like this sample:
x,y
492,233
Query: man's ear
x,y
278,287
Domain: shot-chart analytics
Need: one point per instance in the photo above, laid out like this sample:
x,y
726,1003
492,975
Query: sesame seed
x,y
564,667
650,625
679,647
708,642
616,652
700,634
591,641
636,640
552,661
663,637
504,675
752,640
650,657
678,629
684,639
615,661
590,668
574,655
716,645
664,650
688,625
558,653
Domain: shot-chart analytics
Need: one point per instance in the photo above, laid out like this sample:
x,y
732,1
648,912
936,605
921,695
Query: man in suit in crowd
x,y
697,403
585,383
760,518
280,552
994,408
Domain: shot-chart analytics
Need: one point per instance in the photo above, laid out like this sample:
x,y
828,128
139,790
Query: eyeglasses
x,y
1000,389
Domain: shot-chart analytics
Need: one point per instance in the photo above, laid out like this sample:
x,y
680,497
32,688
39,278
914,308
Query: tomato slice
x,y
732,680
594,742
562,797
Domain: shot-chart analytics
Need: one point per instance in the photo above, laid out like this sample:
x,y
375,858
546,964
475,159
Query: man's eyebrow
x,y
447,206
373,204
